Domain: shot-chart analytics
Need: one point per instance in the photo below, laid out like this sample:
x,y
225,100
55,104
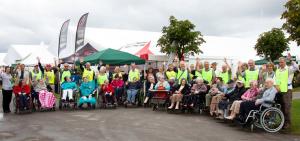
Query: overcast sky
x,y
33,21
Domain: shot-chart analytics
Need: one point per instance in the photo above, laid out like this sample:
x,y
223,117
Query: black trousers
x,y
7,95
246,107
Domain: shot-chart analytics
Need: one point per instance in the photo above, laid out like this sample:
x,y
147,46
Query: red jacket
x,y
117,83
107,89
24,89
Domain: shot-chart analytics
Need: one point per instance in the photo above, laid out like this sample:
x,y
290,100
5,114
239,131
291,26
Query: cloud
x,y
33,21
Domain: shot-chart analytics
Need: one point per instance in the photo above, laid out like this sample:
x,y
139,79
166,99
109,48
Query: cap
x,y
240,81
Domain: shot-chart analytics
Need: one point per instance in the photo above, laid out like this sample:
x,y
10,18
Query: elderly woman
x,y
180,91
150,85
117,72
199,88
268,95
217,89
266,72
86,90
160,73
249,95
118,84
101,76
22,90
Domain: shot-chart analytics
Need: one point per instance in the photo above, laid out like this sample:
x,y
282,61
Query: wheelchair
x,y
104,104
270,119
18,108
138,99
68,105
160,99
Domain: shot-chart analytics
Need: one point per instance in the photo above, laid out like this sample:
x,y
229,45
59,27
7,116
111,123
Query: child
x,y
108,91
22,90
68,86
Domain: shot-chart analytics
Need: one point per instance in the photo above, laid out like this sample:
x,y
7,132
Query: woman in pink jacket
x,y
249,95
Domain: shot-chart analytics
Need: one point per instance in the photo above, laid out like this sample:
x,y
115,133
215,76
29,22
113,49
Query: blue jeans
x,y
131,93
23,101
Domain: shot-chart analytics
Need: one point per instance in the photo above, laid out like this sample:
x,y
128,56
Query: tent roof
x,y
132,41
27,54
113,57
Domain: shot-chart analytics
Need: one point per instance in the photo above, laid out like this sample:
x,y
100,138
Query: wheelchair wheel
x,y
272,120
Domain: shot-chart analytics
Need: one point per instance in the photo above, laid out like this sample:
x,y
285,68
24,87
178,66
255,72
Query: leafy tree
x,y
292,17
271,44
180,38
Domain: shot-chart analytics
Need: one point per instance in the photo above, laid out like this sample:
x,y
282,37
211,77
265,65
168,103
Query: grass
x,y
296,117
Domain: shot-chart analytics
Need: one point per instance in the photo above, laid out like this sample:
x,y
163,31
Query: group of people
x,y
223,94
226,95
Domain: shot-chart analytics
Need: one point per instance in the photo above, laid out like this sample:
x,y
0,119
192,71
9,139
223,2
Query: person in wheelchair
x,y
118,86
108,93
223,104
249,95
199,89
264,100
22,92
132,90
229,97
67,89
150,85
38,86
86,91
180,91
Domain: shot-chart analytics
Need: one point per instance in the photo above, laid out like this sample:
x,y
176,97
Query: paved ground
x,y
125,124
132,124
296,95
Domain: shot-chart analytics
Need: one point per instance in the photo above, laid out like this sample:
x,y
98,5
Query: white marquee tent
x,y
27,54
132,41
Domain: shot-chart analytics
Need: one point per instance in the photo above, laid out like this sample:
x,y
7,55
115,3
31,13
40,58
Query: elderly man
x,y
182,73
65,72
251,74
208,74
283,77
268,95
133,73
225,74
87,71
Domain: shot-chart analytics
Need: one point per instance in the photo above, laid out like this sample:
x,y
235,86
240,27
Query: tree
x,y
180,38
292,17
271,44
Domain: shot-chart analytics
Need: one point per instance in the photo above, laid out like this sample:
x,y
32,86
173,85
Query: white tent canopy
x,y
27,54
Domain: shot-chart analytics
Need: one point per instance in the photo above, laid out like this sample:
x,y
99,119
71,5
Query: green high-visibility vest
x,y
207,75
282,78
134,74
64,74
182,74
171,74
50,76
224,76
101,79
88,74
36,76
250,75
198,74
240,77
